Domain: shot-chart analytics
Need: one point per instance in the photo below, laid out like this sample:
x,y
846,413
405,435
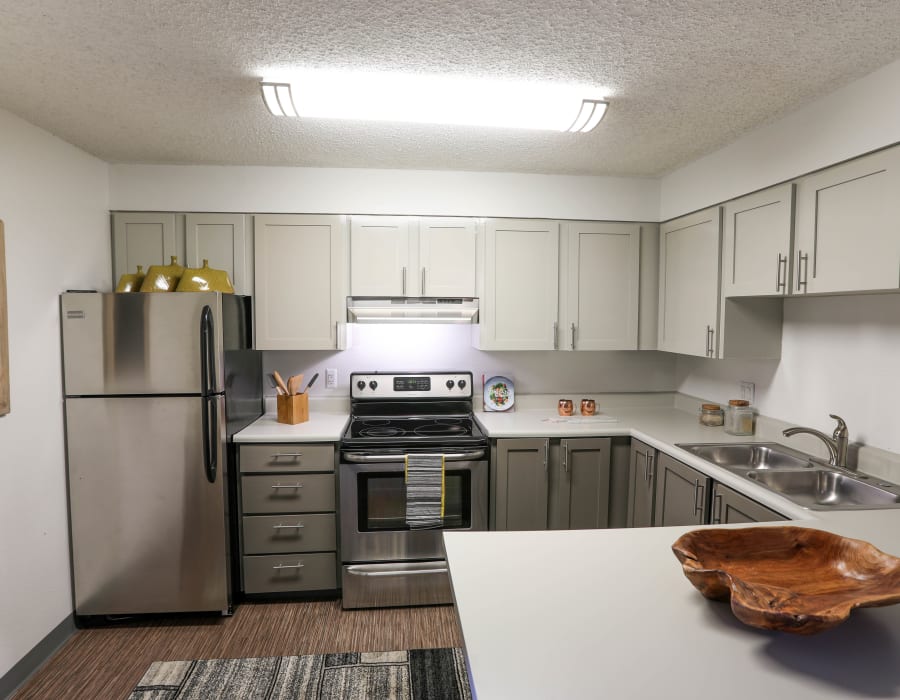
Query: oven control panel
x,y
411,385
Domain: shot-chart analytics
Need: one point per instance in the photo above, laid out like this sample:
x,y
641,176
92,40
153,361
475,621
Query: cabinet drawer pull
x,y
287,486
698,491
277,567
288,527
286,454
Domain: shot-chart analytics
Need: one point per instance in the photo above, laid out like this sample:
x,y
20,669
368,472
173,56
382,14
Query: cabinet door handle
x,y
546,454
710,351
651,467
423,281
278,567
288,486
802,269
555,336
573,336
643,456
717,508
403,280
288,527
781,283
698,496
565,457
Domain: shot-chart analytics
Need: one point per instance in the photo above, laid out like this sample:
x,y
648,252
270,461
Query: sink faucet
x,y
837,444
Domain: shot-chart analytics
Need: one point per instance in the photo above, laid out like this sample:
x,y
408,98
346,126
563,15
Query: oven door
x,y
373,506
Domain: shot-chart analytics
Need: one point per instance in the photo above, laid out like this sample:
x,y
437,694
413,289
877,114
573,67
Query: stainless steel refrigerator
x,y
155,386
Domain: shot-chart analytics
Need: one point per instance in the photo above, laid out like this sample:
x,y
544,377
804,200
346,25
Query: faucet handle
x,y
841,430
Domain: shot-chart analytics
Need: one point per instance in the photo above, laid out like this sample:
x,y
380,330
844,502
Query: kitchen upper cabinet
x,y
848,226
600,286
447,257
144,238
397,256
520,483
222,240
519,286
580,484
689,283
682,493
380,257
300,291
641,485
729,506
756,243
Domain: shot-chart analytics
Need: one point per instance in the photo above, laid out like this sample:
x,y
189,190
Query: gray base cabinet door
x,y
580,485
641,485
682,493
520,480
729,506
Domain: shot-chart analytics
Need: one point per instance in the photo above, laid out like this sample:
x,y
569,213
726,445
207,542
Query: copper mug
x,y
565,407
588,407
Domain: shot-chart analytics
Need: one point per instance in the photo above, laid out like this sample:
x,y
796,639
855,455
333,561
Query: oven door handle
x,y
361,570
361,458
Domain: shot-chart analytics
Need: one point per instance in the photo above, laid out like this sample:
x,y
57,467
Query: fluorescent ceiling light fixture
x,y
395,97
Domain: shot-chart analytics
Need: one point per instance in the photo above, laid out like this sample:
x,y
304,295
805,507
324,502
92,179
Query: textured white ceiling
x,y
175,81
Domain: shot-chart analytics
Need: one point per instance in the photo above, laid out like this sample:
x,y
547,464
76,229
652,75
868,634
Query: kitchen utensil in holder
x,y
292,409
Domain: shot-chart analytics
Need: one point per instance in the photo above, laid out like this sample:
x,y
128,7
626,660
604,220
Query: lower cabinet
x,y
729,506
641,485
540,484
682,494
288,534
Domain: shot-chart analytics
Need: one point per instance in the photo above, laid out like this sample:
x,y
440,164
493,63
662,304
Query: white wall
x,y
839,355
857,118
448,347
359,191
54,204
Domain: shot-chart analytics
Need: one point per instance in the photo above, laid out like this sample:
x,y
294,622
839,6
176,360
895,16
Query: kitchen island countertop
x,y
609,614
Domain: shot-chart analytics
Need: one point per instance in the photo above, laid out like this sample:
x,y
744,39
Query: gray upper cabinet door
x,y
600,286
144,238
521,483
729,506
582,498
689,283
756,243
222,240
681,493
848,226
641,485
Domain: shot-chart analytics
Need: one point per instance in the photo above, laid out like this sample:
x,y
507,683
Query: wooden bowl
x,y
793,579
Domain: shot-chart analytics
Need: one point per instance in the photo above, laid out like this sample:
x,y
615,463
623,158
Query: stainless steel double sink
x,y
799,477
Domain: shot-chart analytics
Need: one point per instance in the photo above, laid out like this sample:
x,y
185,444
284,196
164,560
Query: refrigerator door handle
x,y
207,352
210,431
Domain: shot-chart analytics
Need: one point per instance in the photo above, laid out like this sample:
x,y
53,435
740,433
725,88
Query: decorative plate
x,y
793,579
499,394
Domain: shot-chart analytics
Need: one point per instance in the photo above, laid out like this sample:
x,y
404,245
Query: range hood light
x,y
430,99
412,310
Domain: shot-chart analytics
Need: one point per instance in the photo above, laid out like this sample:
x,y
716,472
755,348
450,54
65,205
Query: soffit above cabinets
x,y
175,82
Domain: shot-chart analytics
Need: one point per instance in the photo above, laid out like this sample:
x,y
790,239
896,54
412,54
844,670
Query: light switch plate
x,y
330,378
748,391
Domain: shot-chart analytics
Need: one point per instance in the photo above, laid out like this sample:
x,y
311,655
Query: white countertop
x,y
609,614
322,426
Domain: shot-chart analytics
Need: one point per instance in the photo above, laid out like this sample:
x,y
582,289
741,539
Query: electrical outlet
x,y
330,378
748,391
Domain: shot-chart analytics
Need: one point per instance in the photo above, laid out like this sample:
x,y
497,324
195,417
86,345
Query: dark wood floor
x,y
107,662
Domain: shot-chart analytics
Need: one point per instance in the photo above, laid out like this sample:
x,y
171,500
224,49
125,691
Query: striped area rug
x,y
415,674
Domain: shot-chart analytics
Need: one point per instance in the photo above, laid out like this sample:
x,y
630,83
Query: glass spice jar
x,y
741,418
712,415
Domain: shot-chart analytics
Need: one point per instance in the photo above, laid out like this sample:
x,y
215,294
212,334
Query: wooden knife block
x,y
292,409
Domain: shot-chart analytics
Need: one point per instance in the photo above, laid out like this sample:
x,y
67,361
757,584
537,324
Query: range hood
x,y
412,310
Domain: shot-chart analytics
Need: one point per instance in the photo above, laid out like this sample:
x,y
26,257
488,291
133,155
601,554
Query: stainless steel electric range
x,y
385,563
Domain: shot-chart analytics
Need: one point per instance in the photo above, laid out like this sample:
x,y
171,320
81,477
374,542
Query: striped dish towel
x,y
424,490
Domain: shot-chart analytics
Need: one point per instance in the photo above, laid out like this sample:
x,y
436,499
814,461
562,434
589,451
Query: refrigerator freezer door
x,y
148,527
123,344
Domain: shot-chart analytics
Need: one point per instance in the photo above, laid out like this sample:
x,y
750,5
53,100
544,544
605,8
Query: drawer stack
x,y
288,525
